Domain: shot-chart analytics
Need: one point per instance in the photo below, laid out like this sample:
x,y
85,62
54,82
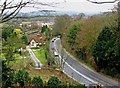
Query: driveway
x,y
34,58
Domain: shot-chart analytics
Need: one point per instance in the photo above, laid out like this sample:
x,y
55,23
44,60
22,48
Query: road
x,y
77,70
34,58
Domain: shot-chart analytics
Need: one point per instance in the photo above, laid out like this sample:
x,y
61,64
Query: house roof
x,y
36,37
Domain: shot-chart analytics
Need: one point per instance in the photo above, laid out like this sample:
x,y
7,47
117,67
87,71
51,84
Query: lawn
x,y
40,54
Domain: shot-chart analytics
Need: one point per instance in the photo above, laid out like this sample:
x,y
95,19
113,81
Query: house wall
x,y
33,43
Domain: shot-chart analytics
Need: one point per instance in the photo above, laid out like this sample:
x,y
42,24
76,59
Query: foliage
x,y
7,75
12,40
35,47
46,31
53,82
104,52
57,33
101,47
37,81
6,31
22,77
77,85
61,24
24,39
18,32
80,86
72,33
80,52
11,43
44,28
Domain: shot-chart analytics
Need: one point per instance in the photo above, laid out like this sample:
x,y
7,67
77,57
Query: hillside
x,y
86,37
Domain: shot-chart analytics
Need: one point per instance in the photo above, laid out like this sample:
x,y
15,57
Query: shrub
x,y
37,81
53,82
22,77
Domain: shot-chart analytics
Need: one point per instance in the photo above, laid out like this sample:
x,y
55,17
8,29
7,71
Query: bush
x,y
37,81
53,82
22,77
35,48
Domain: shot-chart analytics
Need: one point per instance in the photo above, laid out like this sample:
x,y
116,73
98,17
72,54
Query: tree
x,y
44,28
22,77
61,24
24,39
102,2
37,81
101,47
7,75
105,52
72,34
18,32
10,9
53,82
7,6
6,31
78,17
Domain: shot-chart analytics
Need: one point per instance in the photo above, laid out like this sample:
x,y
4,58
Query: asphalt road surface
x,y
77,70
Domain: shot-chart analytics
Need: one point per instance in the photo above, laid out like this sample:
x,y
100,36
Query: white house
x,y
35,40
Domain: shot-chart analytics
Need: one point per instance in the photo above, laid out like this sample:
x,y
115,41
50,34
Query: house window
x,y
32,43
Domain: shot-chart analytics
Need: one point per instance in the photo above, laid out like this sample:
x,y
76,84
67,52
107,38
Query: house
x,y
35,40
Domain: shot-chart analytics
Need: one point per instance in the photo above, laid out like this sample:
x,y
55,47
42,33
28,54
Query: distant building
x,y
48,24
35,40
39,23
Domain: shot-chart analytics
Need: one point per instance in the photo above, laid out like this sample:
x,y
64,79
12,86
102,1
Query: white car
x,y
56,53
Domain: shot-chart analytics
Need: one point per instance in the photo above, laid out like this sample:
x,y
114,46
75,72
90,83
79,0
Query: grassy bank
x,y
40,54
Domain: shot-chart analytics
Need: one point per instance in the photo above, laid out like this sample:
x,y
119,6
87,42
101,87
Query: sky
x,y
82,6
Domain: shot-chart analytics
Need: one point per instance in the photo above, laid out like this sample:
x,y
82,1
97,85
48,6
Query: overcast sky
x,y
71,5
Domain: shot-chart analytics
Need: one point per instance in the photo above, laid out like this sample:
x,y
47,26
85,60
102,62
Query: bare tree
x,y
6,6
9,8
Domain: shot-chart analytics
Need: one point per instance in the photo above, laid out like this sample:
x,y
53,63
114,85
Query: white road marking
x,y
73,68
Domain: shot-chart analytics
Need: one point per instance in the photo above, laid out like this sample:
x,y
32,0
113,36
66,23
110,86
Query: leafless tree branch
x,y
10,2
7,5
96,2
5,15
9,18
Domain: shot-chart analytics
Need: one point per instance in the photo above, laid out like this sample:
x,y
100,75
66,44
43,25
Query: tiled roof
x,y
37,37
